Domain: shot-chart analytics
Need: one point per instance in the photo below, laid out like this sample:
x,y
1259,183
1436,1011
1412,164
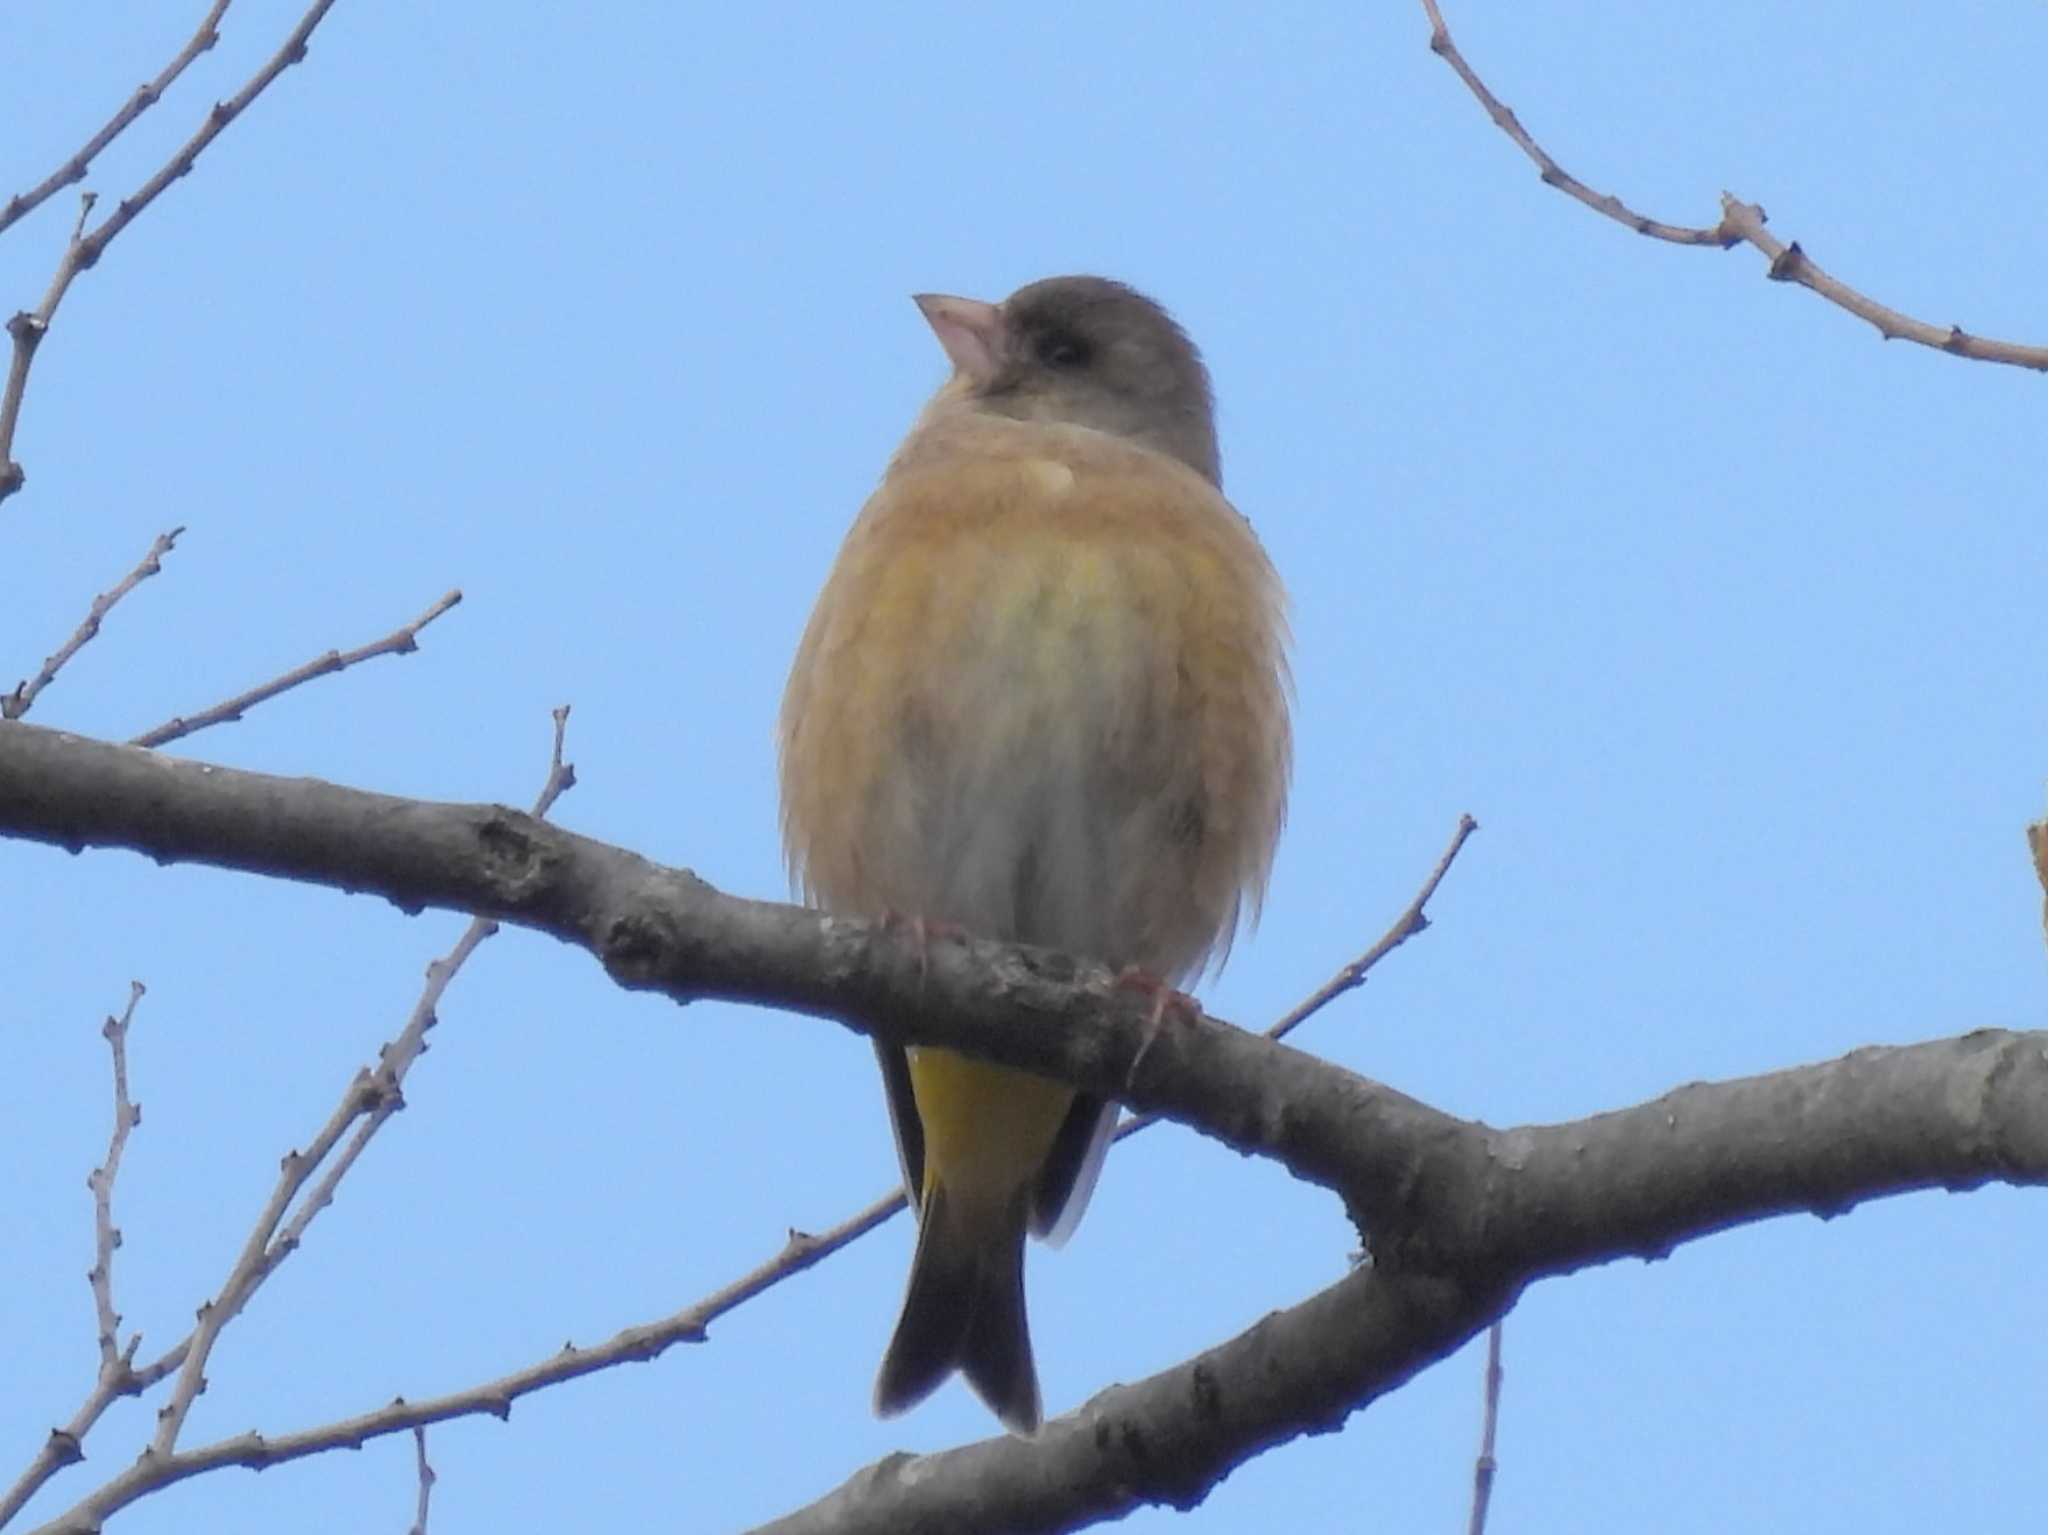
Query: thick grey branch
x,y
664,930
1818,1138
1172,1437
1433,1192
1458,1216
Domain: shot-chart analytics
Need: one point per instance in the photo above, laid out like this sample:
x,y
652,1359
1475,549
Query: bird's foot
x,y
1165,999
921,931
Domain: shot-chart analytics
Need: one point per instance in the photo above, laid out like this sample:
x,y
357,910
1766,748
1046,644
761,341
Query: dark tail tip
x,y
964,1310
995,1356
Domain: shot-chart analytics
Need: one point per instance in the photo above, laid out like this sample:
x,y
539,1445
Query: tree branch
x,y
14,705
649,1340
1741,223
665,930
1486,1465
402,641
1426,1187
117,1374
114,1361
1171,1438
1634,1183
368,1104
28,327
427,1479
1458,1216
370,1100
146,96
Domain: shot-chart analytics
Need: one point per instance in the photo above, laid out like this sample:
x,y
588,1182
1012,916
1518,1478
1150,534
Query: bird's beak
x,y
972,333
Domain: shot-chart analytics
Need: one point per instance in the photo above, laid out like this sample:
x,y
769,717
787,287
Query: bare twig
x,y
401,641
1553,174
363,1096
1484,1468
1791,264
426,1474
146,96
117,1376
1411,921
371,1098
398,1057
28,327
639,1344
106,1235
66,1445
149,1473
1741,223
14,705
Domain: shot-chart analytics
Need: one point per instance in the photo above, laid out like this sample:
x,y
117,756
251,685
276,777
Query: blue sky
x,y
1724,619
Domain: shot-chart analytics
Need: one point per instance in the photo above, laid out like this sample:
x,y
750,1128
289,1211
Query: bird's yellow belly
x,y
987,1129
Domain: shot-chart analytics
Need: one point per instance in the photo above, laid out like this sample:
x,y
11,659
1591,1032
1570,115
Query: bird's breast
x,y
1054,714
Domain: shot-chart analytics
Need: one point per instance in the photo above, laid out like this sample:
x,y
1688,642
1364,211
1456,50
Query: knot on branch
x,y
639,949
518,860
65,1450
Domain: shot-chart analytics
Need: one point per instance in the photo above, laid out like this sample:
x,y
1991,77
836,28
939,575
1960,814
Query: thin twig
x,y
249,1270
14,705
427,1479
397,1057
1553,174
372,1098
1484,1468
151,1473
106,1235
1791,264
1741,223
401,641
28,327
1412,920
633,1345
66,1446
146,96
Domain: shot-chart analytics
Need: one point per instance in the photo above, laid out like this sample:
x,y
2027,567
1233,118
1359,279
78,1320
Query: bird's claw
x,y
1165,999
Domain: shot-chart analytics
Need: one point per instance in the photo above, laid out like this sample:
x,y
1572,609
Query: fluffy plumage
x,y
1043,698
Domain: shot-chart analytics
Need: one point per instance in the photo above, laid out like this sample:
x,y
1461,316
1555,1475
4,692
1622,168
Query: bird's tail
x,y
964,1310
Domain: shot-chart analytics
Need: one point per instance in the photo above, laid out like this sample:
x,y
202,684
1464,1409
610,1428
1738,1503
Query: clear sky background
x,y
1726,620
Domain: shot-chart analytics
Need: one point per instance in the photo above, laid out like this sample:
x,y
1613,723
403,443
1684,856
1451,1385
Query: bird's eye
x,y
1062,349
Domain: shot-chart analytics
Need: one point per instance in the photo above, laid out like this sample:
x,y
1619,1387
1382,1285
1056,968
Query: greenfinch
x,y
1043,697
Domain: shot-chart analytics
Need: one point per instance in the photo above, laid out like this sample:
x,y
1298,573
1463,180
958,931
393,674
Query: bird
x,y
1043,697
